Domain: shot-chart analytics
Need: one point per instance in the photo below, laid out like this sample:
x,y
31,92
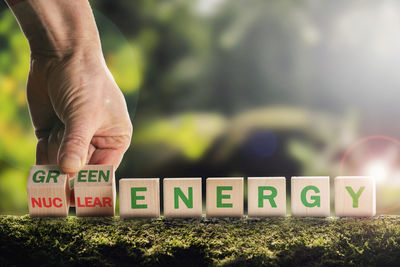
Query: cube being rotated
x,y
182,198
355,196
94,188
310,196
48,192
224,197
139,198
266,196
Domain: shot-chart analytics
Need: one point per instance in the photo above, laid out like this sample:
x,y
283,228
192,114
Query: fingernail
x,y
71,163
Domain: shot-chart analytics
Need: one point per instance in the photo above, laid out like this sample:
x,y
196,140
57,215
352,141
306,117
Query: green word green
x,y
355,196
135,198
317,199
93,176
262,197
220,197
187,200
40,176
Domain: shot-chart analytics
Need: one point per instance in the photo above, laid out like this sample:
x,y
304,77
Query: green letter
x,y
220,196
81,175
41,177
355,196
92,174
315,198
105,177
270,197
187,200
134,197
52,175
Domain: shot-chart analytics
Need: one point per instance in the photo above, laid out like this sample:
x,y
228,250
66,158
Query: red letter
x,y
88,202
107,201
47,205
97,202
79,202
55,204
36,202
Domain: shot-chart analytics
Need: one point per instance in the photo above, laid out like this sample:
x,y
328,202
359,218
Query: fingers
x,y
107,157
74,147
41,152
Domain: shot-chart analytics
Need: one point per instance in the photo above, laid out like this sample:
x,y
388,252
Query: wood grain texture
x,y
48,192
139,198
95,192
182,198
310,196
224,197
266,196
355,196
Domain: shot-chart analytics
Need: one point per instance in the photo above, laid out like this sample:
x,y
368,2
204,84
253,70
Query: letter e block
x,y
310,196
266,196
182,198
94,188
355,196
139,198
48,192
224,197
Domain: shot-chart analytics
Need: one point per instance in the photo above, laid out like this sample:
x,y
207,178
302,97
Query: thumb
x,y
74,147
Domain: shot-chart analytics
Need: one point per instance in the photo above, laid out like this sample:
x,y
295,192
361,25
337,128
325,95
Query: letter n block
x,y
94,188
355,196
266,196
224,197
48,192
310,196
182,198
139,198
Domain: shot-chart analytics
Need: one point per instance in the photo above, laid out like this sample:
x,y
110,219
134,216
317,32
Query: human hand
x,y
78,111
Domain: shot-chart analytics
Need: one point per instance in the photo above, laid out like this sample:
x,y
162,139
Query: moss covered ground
x,y
275,242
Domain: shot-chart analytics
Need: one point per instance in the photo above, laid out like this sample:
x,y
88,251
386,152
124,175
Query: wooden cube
x,y
182,198
310,196
355,196
224,197
266,196
139,198
48,192
94,188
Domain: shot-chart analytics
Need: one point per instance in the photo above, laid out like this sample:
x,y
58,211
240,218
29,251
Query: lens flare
x,y
378,170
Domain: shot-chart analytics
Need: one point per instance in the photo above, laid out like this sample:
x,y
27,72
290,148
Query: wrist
x,y
57,28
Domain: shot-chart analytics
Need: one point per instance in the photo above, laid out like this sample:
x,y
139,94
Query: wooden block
x,y
224,197
139,198
266,196
182,198
310,196
94,188
48,192
355,196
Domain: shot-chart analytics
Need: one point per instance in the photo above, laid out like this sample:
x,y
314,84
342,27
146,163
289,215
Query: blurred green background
x,y
234,88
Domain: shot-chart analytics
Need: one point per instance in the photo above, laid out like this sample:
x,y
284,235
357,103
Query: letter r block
x,y
48,192
355,196
139,198
310,196
266,196
95,193
224,197
182,198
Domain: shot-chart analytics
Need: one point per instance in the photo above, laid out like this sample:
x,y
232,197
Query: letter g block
x,y
310,196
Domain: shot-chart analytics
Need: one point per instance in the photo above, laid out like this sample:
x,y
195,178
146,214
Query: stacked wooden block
x,y
94,190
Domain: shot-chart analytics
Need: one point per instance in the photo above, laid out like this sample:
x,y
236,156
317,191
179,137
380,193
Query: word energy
x,y
93,191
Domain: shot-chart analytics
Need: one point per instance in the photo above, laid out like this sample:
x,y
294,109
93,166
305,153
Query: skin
x,y
78,112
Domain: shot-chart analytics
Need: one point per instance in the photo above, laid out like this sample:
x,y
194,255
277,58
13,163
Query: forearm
x,y
57,28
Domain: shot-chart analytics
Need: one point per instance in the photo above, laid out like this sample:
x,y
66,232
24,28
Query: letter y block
x,y
355,196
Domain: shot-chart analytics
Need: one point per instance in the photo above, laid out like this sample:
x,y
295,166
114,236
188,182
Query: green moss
x,y
278,241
